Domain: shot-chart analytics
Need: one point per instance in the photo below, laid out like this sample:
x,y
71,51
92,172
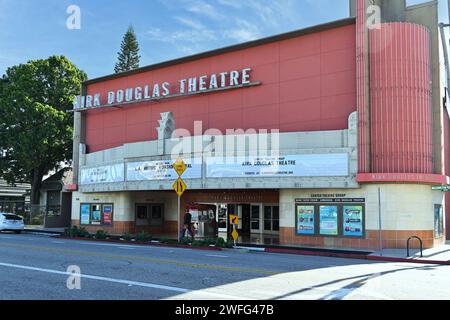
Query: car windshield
x,y
11,217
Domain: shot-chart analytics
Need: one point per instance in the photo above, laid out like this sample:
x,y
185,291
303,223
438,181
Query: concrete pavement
x,y
35,267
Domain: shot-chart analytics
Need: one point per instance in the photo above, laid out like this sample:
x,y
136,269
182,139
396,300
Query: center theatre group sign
x,y
306,165
185,87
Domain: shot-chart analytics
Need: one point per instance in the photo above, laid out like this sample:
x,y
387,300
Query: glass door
x,y
271,219
255,218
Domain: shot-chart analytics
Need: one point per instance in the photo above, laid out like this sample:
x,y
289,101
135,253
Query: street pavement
x,y
36,267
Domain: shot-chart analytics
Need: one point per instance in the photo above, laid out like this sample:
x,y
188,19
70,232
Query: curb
x,y
355,256
43,232
411,260
317,253
150,244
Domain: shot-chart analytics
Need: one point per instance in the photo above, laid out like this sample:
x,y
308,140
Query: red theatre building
x,y
331,136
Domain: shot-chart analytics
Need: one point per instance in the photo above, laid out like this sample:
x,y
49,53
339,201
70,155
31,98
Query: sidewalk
x,y
436,255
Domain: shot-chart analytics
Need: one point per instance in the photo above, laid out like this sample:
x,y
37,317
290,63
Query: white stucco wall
x,y
403,206
125,202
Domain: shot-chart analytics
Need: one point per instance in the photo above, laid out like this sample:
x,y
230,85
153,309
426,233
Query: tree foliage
x,y
35,129
128,56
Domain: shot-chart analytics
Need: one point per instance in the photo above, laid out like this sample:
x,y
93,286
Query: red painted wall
x,y
309,84
401,118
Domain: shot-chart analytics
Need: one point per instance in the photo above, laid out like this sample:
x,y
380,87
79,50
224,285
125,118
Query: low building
x,y
55,197
14,198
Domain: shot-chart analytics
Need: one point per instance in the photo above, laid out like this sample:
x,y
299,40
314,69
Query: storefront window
x,y
96,214
328,216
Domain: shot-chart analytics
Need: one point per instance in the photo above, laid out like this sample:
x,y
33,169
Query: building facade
x,y
330,136
14,198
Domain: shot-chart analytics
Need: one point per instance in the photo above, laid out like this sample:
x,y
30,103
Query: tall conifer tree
x,y
128,57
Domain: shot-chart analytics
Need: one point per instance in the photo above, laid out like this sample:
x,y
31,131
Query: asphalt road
x,y
36,267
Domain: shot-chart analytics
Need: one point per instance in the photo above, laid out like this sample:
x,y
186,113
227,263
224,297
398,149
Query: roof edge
x,y
240,46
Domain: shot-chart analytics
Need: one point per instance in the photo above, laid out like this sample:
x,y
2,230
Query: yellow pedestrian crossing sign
x,y
234,219
179,166
179,186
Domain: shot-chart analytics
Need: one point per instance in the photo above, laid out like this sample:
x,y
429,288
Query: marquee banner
x,y
308,165
104,174
162,170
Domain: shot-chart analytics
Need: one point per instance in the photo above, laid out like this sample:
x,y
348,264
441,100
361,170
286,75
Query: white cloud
x,y
194,24
192,35
244,31
237,4
203,8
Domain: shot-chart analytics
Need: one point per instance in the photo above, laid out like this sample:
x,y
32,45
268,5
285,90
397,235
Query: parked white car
x,y
11,222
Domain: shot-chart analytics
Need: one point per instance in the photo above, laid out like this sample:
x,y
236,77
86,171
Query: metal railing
x,y
421,246
36,215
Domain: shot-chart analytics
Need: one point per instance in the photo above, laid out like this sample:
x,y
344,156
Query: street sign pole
x,y
179,186
179,218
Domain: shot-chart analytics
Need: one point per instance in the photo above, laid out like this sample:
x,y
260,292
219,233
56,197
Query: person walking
x,y
187,224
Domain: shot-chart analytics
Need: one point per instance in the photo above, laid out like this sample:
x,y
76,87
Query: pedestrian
x,y
187,224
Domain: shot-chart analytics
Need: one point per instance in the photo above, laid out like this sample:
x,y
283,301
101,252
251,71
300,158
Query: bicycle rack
x,y
421,245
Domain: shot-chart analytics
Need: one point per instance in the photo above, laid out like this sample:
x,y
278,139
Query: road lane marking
x,y
112,245
127,282
143,259
60,242
216,256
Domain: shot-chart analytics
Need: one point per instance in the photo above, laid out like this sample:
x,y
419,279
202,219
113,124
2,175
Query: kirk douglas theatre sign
x,y
165,90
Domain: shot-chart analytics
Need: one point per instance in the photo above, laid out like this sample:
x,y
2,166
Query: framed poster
x,y
305,220
96,214
328,217
85,214
107,214
352,221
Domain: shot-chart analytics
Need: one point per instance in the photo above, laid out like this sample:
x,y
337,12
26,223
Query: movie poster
x,y
305,220
328,220
85,214
107,214
353,221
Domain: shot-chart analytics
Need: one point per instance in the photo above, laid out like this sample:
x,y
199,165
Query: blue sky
x,y
166,29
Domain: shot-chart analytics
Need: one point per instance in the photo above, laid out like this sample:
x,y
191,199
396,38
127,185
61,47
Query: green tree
x,y
35,129
128,58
